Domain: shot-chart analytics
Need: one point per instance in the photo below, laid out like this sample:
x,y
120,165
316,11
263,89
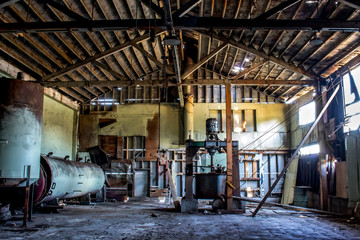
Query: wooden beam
x,y
260,54
351,3
110,70
7,3
204,60
246,71
281,174
98,56
242,82
66,10
187,7
151,57
282,6
229,162
153,7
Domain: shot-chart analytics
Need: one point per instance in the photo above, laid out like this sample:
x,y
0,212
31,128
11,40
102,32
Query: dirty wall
x,y
59,129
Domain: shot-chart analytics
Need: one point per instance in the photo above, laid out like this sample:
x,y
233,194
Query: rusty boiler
x,y
21,110
65,179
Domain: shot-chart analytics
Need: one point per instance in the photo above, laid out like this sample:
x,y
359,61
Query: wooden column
x,y
322,154
229,162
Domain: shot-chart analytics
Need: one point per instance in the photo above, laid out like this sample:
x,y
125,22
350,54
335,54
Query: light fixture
x,y
171,40
315,41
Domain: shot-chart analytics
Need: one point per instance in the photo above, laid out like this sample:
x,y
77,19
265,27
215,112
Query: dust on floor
x,y
150,219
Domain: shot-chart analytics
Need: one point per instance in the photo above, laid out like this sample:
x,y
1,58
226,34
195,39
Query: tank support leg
x,y
27,190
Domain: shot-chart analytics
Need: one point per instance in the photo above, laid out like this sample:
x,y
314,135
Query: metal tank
x,y
64,179
21,110
210,185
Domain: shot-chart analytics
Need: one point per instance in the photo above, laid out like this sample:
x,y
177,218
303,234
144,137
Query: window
x,y
307,114
242,120
352,108
311,149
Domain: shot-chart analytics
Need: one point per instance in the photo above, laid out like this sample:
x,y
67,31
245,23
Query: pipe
x,y
66,179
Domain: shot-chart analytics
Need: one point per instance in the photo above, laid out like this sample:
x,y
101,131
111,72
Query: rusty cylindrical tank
x,y
21,110
64,179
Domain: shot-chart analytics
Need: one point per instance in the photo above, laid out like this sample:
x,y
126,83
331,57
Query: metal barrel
x,y
66,179
210,185
212,126
21,110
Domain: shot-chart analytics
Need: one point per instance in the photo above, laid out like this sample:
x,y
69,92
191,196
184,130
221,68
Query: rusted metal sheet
x,y
21,110
67,179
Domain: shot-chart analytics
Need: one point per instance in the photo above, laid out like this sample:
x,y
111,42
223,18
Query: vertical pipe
x,y
229,162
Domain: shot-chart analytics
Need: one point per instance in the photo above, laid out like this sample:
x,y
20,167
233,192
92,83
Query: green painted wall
x,y
58,129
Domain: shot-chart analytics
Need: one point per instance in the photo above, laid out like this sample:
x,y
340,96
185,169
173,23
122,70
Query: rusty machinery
x,y
208,185
21,111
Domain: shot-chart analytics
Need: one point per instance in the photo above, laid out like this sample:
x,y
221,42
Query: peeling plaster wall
x,y
267,116
132,120
58,129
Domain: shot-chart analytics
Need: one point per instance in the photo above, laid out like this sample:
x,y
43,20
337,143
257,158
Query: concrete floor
x,y
148,219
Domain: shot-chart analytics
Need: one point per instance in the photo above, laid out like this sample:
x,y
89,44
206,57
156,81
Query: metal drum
x,y
210,185
21,109
212,126
66,179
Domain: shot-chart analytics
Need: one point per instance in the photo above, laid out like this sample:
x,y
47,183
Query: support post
x,y
27,190
296,151
229,162
322,156
188,203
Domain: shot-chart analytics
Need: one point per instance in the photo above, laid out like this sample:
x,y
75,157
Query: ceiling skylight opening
x,y
237,69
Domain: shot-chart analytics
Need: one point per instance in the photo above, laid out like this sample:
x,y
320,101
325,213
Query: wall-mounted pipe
x,y
64,179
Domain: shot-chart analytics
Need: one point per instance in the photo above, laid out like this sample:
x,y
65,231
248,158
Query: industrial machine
x,y
64,179
21,111
208,185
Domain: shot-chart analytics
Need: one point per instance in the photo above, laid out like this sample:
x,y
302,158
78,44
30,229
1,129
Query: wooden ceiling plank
x,y
96,57
19,58
204,60
225,58
187,7
246,71
233,61
265,56
153,7
282,6
31,54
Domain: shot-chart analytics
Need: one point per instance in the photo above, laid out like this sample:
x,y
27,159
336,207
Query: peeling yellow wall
x,y
267,116
58,129
131,120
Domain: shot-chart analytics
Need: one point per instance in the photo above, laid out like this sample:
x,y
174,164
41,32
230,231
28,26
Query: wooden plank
x,y
119,147
152,138
229,162
173,191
